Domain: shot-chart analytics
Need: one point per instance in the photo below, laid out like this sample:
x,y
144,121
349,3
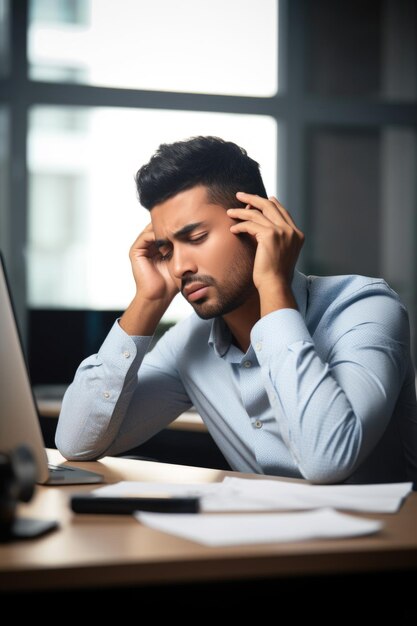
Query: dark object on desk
x,y
90,504
17,484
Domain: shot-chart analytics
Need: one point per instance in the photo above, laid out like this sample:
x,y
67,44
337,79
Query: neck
x,y
242,320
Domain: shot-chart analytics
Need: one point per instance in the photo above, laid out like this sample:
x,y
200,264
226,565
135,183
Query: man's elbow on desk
x,y
73,451
325,477
325,472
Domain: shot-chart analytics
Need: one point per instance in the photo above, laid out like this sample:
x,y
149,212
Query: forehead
x,y
186,207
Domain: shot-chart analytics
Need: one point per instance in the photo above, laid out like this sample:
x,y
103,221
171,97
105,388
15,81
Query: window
x,y
209,46
82,159
363,199
83,210
366,49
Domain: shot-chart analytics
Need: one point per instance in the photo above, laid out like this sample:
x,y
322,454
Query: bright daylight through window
x,y
83,209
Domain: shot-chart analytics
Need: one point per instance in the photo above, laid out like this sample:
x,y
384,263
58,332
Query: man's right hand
x,y
155,289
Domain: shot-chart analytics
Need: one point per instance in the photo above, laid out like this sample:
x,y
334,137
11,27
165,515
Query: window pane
x,y
363,203
344,202
361,48
4,37
209,46
83,210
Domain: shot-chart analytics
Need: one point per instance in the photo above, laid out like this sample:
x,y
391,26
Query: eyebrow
x,y
181,233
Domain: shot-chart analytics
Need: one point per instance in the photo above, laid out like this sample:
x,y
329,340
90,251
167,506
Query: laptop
x,y
19,419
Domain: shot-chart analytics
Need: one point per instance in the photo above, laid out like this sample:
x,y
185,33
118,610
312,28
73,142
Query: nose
x,y
183,262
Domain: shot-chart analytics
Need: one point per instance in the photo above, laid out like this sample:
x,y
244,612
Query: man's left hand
x,y
279,242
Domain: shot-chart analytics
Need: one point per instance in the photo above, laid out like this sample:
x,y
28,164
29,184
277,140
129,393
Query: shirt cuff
x,y
121,348
279,330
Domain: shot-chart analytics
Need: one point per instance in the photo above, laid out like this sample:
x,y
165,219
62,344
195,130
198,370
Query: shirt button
x,y
247,364
258,424
126,354
258,346
106,394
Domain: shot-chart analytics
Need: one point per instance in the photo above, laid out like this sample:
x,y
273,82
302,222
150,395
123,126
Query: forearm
x,y
115,402
95,404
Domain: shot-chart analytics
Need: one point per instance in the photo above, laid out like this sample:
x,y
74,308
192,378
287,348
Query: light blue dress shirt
x,y
325,392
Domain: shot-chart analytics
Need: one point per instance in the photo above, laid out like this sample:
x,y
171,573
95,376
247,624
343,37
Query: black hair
x,y
221,166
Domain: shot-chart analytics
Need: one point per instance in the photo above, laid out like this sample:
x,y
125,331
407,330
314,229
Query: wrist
x,y
276,295
142,316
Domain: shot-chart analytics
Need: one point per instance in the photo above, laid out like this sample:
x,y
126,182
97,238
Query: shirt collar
x,y
220,336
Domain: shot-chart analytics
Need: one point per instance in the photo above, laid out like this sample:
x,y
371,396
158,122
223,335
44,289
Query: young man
x,y
293,375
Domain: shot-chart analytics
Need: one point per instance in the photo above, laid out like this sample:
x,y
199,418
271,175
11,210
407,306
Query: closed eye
x,y
198,239
166,253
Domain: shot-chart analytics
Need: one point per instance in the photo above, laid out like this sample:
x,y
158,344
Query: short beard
x,y
227,302
234,291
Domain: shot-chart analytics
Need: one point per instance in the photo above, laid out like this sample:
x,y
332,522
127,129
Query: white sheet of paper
x,y
241,494
267,494
131,488
226,529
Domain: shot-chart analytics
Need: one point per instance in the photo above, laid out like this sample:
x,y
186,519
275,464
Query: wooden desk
x,y
113,551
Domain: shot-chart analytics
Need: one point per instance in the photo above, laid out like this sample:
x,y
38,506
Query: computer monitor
x,y
19,420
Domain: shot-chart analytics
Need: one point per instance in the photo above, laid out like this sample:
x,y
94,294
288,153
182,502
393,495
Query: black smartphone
x,y
126,505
